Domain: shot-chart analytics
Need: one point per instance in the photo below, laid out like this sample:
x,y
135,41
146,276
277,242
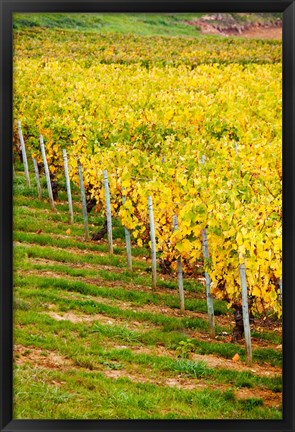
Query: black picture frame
x,y
7,8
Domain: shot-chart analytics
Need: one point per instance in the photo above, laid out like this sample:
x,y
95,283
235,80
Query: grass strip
x,y
119,293
169,339
91,395
94,307
90,352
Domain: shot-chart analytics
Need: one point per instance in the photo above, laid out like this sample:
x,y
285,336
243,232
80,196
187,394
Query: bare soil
x,y
82,318
41,358
226,25
263,33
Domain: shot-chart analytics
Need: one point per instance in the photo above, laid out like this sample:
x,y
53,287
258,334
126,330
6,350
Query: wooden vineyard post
x,y
179,271
153,241
108,207
280,283
245,310
24,154
64,153
37,178
208,286
208,279
83,200
128,243
47,173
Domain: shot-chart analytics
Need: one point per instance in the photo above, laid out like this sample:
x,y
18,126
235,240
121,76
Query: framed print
x,y
147,234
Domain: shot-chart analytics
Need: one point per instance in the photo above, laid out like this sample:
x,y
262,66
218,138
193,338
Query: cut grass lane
x,y
65,241
159,367
61,241
52,235
71,255
115,290
28,199
99,397
110,273
168,318
58,224
74,256
128,314
26,254
90,352
126,276
169,339
223,328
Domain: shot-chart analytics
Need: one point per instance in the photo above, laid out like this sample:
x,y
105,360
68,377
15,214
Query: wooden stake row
x,y
242,267
24,155
153,242
179,271
64,153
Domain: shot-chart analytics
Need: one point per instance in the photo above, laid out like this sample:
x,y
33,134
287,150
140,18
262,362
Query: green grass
x,y
62,255
119,293
172,331
143,24
90,351
91,395
60,242
95,273
93,307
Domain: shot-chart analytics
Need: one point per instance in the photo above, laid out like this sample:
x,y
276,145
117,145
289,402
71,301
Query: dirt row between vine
x,y
115,284
51,360
224,321
83,252
211,360
220,320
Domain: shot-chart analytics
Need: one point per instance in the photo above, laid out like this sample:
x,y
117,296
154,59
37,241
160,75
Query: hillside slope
x,y
188,24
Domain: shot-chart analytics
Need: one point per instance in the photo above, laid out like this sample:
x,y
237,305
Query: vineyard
x,y
174,146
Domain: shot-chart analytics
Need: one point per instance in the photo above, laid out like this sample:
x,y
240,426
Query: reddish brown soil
x,y
263,33
41,358
225,25
253,32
